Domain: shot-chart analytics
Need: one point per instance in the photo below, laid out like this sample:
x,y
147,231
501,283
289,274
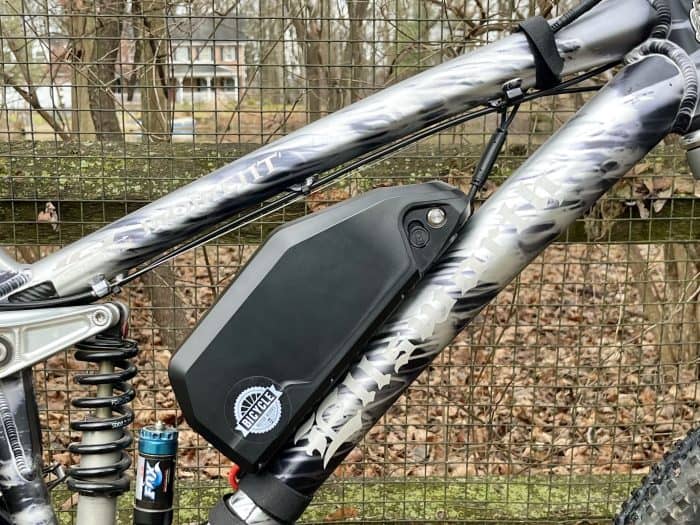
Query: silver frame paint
x,y
557,185
601,37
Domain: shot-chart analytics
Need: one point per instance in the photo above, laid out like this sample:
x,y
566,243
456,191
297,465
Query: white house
x,y
208,57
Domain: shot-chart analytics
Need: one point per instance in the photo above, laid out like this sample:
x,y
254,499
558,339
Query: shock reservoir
x,y
155,475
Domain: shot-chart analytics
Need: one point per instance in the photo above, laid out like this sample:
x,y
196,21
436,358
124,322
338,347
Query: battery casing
x,y
297,315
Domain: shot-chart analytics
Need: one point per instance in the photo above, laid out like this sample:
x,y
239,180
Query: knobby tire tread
x,y
670,493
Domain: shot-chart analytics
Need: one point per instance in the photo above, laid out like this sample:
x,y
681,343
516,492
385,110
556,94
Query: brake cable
x,y
512,96
311,185
573,14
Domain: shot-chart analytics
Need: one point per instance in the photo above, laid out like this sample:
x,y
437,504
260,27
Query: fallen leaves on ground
x,y
559,375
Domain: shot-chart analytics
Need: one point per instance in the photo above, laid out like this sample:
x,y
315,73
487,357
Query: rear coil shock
x,y
104,462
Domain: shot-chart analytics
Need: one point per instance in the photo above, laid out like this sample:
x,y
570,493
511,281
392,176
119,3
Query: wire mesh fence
x,y
548,409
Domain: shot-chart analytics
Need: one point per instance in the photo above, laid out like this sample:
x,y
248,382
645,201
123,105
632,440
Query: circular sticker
x,y
257,409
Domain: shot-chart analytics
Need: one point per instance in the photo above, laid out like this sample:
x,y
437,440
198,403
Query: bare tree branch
x,y
30,96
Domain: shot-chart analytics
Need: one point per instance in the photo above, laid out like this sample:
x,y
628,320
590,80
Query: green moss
x,y
143,172
95,184
534,500
478,500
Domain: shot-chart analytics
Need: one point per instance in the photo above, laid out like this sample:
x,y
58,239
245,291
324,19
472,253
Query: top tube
x,y
602,36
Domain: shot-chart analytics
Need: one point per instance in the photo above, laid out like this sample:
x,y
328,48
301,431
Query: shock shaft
x,y
101,475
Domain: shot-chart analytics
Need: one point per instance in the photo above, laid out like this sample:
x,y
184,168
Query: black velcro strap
x,y
274,497
548,63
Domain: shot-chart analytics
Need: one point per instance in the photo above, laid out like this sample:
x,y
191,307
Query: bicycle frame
x,y
535,206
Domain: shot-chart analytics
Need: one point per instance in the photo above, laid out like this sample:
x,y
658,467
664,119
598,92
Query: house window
x,y
194,84
230,84
225,83
182,54
228,53
204,54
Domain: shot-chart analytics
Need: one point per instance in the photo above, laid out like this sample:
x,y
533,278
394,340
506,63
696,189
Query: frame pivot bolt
x,y
437,217
100,318
5,351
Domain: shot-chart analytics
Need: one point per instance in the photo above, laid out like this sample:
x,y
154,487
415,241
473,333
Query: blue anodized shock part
x,y
158,440
155,476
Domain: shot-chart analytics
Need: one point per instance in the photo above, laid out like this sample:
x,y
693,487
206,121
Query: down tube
x,y
555,187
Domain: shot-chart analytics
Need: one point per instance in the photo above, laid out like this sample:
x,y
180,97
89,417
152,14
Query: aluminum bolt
x,y
100,318
437,217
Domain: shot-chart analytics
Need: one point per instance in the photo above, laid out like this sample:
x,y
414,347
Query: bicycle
x,y
289,418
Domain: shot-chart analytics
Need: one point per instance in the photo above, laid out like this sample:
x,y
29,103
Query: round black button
x,y
418,236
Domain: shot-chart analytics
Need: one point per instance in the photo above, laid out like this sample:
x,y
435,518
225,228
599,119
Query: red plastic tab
x,y
233,476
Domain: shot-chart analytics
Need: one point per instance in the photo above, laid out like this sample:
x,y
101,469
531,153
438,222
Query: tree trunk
x,y
309,29
271,53
314,71
169,310
357,12
670,303
82,31
134,27
679,331
156,110
108,30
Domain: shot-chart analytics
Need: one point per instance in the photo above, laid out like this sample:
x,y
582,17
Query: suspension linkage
x,y
31,336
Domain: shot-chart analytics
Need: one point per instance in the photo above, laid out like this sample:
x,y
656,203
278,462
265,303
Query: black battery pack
x,y
299,312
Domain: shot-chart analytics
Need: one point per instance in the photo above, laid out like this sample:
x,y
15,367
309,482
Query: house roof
x,y
219,28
